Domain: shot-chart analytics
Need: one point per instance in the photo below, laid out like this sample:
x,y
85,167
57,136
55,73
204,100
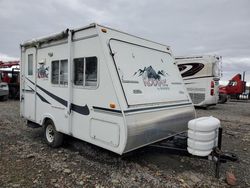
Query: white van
x,y
201,75
103,86
4,90
10,87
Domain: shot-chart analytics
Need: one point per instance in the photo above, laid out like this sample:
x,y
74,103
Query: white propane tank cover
x,y
198,153
204,124
201,146
202,136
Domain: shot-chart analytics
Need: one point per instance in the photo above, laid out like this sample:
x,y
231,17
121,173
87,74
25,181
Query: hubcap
x,y
50,133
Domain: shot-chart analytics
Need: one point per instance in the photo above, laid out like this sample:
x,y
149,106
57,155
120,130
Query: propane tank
x,y
202,135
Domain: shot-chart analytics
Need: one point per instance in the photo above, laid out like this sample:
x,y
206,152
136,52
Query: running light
x,y
212,92
212,84
104,30
112,105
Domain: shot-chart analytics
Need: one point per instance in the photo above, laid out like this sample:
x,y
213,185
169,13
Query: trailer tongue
x,y
202,140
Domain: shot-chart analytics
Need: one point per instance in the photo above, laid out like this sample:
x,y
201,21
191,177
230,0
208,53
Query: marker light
x,y
212,84
104,30
112,105
212,92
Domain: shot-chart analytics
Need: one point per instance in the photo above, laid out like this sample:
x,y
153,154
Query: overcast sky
x,y
190,27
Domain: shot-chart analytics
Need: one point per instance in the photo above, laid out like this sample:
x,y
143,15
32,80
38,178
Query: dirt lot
x,y
26,161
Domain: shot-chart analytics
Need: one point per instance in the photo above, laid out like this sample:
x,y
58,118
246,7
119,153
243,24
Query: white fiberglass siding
x,y
147,75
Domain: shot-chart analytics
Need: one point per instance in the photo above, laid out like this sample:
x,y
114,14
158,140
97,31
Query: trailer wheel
x,y
52,137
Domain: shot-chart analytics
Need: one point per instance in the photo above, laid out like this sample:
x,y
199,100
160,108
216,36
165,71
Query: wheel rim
x,y
50,133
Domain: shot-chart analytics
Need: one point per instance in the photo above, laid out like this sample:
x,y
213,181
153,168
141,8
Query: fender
x,y
49,116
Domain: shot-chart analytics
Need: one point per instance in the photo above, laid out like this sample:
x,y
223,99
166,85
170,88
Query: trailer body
x,y
201,75
105,87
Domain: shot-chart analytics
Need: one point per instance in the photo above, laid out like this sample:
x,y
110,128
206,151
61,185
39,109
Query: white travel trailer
x,y
201,75
103,86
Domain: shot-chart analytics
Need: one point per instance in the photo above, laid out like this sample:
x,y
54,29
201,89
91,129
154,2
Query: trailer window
x,y
59,72
91,71
78,70
55,72
85,71
30,64
64,72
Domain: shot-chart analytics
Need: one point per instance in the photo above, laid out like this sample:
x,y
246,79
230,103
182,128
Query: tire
x,y
4,98
53,138
222,98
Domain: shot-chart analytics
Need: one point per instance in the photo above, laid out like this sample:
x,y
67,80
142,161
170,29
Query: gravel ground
x,y
26,161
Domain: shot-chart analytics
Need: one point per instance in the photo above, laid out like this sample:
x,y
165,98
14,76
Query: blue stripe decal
x,y
84,110
40,96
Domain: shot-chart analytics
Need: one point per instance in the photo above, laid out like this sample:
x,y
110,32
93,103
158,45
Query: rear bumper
x,y
145,128
4,92
209,101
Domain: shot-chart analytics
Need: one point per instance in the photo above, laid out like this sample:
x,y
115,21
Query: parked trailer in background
x,y
103,86
201,75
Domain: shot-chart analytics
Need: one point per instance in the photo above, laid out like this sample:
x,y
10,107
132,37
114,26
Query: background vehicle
x,y
201,75
9,73
4,90
235,89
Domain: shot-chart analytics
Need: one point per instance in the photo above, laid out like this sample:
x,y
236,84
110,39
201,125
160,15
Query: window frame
x,y
59,75
84,74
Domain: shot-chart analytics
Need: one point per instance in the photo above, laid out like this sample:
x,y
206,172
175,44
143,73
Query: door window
x,y
30,64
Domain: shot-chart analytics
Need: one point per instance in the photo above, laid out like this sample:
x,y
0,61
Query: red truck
x,y
233,90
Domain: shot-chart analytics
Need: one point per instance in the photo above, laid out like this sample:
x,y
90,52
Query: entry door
x,y
29,84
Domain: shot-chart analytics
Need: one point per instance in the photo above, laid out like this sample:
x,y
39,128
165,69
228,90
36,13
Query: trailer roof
x,y
95,24
197,57
64,34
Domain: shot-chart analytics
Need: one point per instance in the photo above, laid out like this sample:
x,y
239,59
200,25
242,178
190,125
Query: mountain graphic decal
x,y
151,77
